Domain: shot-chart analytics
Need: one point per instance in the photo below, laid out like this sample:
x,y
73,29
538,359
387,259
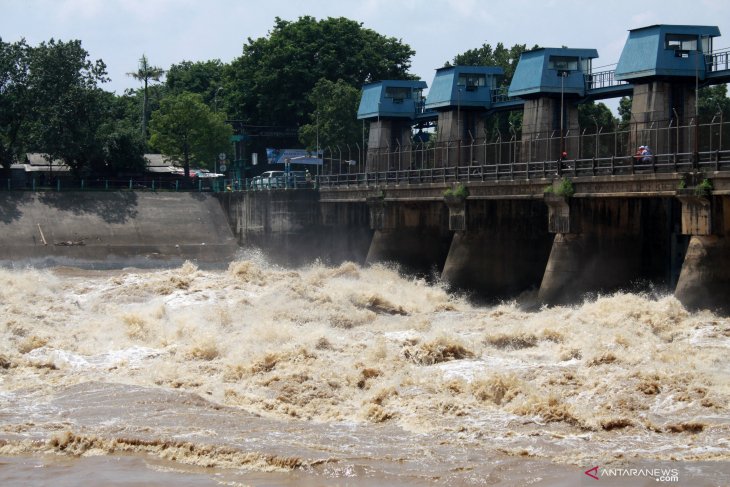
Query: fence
x,y
111,184
591,151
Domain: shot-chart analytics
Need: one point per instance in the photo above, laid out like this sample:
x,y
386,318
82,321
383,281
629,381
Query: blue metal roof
x,y
391,98
464,86
536,72
665,50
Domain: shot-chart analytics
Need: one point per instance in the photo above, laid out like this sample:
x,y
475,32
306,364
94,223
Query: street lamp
x,y
458,125
215,110
215,99
563,74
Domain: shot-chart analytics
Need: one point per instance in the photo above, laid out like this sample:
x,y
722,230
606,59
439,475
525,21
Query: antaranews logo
x,y
658,474
592,472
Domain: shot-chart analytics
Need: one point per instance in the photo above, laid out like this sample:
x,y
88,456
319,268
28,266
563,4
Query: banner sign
x,y
293,156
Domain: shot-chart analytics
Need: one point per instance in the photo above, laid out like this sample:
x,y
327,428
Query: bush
x,y
460,191
566,189
704,188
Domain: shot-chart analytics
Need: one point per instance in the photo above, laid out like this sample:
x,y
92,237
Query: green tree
x,y
121,143
14,100
184,129
592,115
334,119
271,81
204,78
146,73
713,102
68,107
624,111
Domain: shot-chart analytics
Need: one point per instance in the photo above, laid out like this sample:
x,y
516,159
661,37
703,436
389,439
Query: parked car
x,y
204,173
269,180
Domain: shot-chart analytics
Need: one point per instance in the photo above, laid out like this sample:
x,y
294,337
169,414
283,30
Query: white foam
x,y
64,359
403,336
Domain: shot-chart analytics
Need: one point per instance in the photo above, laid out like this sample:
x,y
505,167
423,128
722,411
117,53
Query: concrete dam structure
x,y
496,241
113,229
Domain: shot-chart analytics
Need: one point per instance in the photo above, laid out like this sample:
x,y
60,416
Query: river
x,y
258,375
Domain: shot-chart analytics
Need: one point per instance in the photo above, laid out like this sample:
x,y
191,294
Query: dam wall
x,y
294,228
113,229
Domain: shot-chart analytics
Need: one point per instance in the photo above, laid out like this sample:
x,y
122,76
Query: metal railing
x,y
718,60
602,166
602,79
489,157
67,183
591,151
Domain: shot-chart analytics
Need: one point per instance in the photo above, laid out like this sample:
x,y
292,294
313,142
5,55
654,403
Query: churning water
x,y
258,375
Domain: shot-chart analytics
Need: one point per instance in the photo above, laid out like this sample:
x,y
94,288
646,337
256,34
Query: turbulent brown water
x,y
258,375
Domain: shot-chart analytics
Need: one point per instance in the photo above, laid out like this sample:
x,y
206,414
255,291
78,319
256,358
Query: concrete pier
x,y
413,235
502,249
611,244
704,282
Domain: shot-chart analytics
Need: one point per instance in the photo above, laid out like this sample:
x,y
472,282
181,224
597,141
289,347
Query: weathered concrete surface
x,y
415,236
503,250
292,227
612,244
113,228
541,119
704,281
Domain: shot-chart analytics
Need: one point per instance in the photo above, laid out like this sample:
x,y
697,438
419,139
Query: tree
x,y
14,100
624,111
713,103
146,73
334,121
185,129
204,78
591,114
271,81
68,107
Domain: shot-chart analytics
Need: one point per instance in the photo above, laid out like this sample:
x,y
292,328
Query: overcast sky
x,y
171,31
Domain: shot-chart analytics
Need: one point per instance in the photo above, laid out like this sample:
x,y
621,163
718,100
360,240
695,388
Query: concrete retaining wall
x,y
293,228
113,228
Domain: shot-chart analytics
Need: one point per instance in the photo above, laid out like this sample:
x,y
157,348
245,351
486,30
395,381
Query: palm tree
x,y
146,73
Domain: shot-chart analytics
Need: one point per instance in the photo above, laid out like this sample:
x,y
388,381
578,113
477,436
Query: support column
x,y
609,244
456,128
413,235
704,281
653,105
541,121
386,136
500,250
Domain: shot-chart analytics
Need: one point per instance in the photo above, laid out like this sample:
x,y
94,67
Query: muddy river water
x,y
258,375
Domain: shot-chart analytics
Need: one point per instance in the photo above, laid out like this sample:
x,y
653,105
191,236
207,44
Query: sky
x,y
171,31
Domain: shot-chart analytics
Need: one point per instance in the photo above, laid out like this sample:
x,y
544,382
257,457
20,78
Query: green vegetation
x,y
302,80
334,121
704,188
459,191
146,73
565,189
185,129
302,75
